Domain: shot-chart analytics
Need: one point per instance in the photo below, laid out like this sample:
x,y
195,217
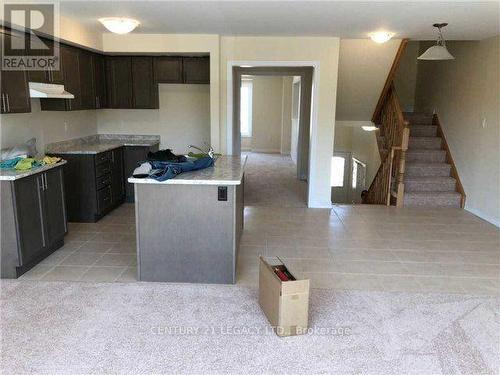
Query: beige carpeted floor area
x,y
271,181
156,328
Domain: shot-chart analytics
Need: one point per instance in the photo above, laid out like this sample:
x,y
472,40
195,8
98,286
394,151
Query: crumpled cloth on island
x,y
165,170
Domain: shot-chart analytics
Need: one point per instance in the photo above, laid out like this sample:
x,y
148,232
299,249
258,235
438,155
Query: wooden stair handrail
x,y
389,80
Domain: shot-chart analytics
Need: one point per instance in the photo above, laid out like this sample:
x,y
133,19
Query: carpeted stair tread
x,y
429,184
423,130
432,198
426,156
424,143
427,169
418,118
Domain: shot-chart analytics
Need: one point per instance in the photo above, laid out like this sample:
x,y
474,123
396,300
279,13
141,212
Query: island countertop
x,y
228,170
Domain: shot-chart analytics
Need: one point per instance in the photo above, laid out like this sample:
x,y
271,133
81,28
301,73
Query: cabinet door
x,y
117,185
119,81
87,90
15,96
71,70
196,69
55,209
144,89
28,193
168,69
39,76
99,80
70,67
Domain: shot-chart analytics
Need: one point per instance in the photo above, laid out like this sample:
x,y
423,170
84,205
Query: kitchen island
x,y
188,228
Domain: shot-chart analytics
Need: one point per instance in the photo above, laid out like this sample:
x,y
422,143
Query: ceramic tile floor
x,y
348,247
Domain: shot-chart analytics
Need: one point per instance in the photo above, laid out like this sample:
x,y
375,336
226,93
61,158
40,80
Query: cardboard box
x,y
285,303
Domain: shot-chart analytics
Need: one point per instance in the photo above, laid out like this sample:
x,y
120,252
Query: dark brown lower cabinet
x,y
34,220
95,184
133,157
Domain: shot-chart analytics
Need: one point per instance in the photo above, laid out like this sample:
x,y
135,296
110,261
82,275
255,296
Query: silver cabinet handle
x,y
40,182
45,181
8,102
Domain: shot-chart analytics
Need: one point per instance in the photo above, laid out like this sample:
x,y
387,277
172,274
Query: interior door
x,y
340,177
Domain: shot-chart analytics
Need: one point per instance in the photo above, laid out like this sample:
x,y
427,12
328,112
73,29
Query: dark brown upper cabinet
x,y
15,95
196,69
119,81
99,65
144,89
168,69
87,89
71,68
48,75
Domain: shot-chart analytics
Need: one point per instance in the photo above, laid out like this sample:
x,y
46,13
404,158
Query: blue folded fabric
x,y
9,163
165,170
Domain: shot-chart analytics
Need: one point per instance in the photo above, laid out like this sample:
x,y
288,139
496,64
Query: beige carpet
x,y
271,180
157,328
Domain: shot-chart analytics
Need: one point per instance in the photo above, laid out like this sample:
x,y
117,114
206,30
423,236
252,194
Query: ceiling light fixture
x,y
438,51
119,25
381,36
369,128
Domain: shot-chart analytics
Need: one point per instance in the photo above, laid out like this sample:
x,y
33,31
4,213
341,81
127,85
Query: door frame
x,y
309,73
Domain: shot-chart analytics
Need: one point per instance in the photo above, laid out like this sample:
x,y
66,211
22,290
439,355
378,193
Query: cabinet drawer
x,y
103,181
102,157
103,199
102,169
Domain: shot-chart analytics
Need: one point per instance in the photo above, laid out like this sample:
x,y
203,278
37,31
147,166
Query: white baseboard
x,y
493,220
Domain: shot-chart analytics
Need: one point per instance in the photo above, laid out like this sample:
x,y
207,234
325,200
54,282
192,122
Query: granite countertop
x,y
228,170
14,174
95,144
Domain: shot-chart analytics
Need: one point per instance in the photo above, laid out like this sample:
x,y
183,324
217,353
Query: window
x,y
246,108
338,164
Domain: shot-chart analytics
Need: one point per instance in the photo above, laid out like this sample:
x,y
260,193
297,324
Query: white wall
x,y
295,118
463,92
286,116
45,126
324,51
363,69
183,117
267,101
405,80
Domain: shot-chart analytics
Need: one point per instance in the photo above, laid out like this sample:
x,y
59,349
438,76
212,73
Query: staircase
x,y
416,168
428,177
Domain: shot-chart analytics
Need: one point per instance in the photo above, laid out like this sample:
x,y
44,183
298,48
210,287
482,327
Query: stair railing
x,y
388,185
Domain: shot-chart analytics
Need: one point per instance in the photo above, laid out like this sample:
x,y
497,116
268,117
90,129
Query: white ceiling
x,y
347,19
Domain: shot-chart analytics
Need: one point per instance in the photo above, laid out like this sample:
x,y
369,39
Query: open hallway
x,y
365,247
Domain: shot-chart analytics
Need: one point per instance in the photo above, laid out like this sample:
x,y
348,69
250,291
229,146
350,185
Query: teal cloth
x,y
9,163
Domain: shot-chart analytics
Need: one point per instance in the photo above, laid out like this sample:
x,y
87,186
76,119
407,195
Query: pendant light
x,y
439,51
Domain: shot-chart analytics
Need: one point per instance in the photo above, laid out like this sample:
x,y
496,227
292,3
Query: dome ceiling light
x,y
119,25
381,36
438,51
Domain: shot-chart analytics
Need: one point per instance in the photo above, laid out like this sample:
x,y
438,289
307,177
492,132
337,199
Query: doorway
x,y
296,141
348,178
